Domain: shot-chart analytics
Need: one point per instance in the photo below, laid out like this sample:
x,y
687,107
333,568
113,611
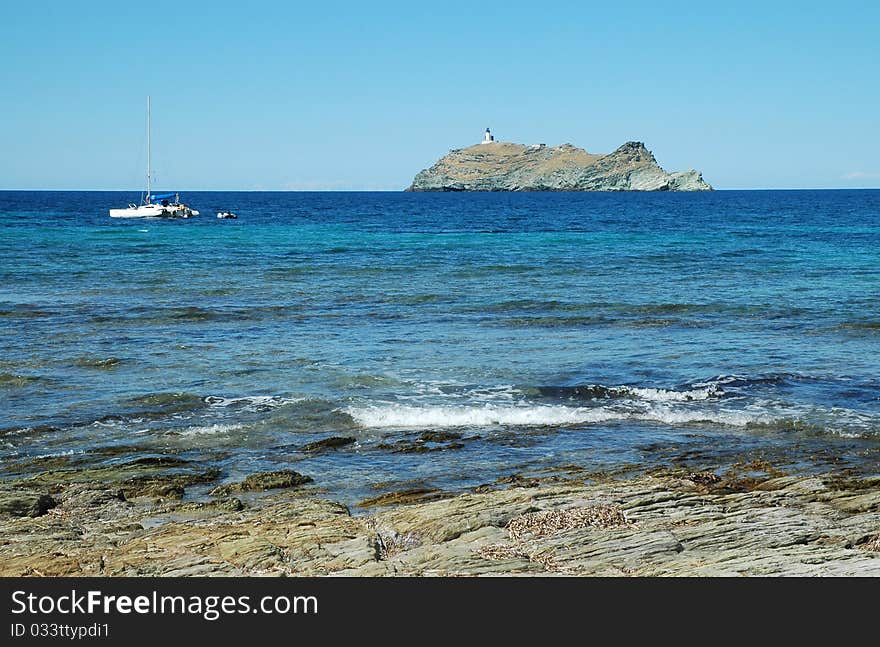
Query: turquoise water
x,y
533,330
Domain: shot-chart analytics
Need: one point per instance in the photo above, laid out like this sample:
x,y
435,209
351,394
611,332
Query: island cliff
x,y
504,166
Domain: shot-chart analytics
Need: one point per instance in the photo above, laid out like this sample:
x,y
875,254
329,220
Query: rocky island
x,y
504,166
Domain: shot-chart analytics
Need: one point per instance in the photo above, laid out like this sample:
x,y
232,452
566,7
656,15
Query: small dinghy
x,y
226,215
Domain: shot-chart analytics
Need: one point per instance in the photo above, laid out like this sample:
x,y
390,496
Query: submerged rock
x,y
404,496
262,481
328,443
143,477
503,166
157,461
427,441
169,485
439,436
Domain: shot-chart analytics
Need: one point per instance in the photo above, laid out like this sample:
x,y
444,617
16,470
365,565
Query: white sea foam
x,y
509,392
666,395
252,402
420,417
720,380
727,417
69,452
447,389
206,430
839,421
395,415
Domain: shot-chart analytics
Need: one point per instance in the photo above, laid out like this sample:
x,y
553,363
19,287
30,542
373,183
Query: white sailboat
x,y
167,205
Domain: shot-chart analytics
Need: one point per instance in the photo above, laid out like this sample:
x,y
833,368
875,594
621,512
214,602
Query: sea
x,y
444,340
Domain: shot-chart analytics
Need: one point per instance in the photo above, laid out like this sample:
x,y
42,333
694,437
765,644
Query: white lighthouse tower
x,y
488,138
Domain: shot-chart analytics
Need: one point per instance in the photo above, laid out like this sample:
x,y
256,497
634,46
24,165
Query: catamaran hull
x,y
137,212
154,211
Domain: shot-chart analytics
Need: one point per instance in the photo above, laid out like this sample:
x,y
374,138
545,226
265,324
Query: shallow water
x,y
546,330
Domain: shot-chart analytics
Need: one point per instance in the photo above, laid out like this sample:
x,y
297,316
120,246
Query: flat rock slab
x,y
642,526
24,503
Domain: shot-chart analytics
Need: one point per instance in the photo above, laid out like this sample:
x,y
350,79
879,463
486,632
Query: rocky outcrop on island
x,y
503,166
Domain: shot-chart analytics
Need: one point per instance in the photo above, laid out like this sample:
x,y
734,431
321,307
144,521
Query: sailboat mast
x,y
148,148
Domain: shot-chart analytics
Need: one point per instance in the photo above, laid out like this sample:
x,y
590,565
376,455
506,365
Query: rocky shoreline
x,y
745,519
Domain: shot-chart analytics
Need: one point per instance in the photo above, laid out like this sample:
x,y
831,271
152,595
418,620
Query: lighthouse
x,y
488,138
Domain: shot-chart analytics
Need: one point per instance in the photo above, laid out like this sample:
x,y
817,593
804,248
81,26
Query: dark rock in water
x,y
404,496
416,447
428,441
158,461
504,166
274,480
264,481
518,480
439,436
136,479
21,503
407,484
103,363
328,443
166,486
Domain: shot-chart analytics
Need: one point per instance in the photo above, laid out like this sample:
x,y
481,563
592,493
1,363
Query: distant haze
x,y
338,96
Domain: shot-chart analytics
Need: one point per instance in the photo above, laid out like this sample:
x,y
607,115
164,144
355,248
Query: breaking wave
x,y
598,391
735,401
420,417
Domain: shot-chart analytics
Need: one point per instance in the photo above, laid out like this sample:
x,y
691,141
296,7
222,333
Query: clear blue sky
x,y
339,95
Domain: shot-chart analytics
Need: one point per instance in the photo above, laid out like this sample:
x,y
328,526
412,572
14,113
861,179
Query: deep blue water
x,y
545,329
